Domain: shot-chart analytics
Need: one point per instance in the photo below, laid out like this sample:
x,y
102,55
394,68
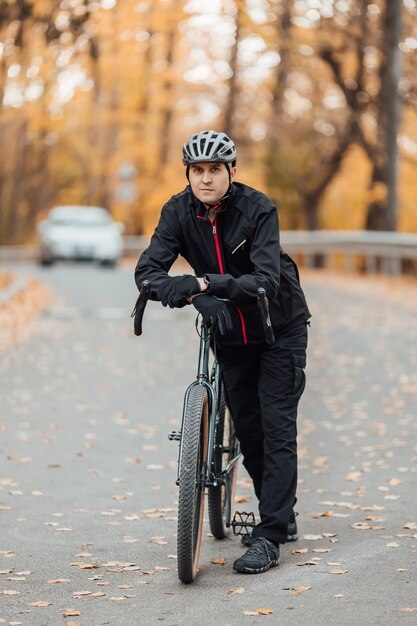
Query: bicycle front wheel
x,y
192,465
221,498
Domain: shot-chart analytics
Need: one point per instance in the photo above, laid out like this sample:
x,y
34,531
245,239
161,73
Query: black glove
x,y
177,289
215,313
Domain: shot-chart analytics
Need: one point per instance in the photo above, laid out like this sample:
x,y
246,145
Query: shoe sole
x,y
258,570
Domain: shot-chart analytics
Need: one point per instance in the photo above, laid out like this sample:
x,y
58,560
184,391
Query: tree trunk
x,y
18,183
233,94
382,208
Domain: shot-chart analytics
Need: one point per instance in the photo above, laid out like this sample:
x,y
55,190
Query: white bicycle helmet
x,y
209,146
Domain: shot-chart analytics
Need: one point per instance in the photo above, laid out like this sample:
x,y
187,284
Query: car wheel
x,y
108,263
46,262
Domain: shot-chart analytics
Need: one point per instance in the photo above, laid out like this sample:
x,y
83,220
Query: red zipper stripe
x,y
220,261
217,244
242,321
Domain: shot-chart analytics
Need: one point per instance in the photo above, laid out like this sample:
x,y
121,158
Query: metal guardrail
x,y
375,250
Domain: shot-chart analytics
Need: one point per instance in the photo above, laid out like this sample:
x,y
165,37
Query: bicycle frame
x,y
211,382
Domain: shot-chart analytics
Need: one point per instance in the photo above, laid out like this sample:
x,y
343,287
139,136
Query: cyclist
x,y
229,234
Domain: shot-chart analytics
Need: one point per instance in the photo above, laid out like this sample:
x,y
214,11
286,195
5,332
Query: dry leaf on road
x,y
297,590
70,613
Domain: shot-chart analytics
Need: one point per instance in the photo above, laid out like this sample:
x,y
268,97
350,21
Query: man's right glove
x,y
215,313
177,289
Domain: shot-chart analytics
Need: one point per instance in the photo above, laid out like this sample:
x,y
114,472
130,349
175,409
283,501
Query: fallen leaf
x,y
264,611
241,499
81,594
322,550
306,563
236,590
410,526
393,544
250,613
55,581
312,537
354,476
336,572
220,561
409,610
300,551
70,613
40,603
86,565
298,590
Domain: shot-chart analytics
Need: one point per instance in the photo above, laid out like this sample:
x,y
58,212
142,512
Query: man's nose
x,y
206,176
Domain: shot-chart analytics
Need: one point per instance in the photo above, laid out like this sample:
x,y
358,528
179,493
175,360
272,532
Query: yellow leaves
x,y
237,590
219,561
258,612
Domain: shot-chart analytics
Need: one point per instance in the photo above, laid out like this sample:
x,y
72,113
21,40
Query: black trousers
x,y
263,386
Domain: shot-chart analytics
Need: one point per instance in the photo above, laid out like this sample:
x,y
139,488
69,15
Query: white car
x,y
80,232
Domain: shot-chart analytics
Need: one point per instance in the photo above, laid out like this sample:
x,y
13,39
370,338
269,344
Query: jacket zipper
x,y
220,262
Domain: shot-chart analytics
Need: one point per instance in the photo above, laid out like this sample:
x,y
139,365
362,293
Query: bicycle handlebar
x,y
140,305
143,298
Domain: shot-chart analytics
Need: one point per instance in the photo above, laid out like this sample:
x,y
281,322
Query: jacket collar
x,y
200,210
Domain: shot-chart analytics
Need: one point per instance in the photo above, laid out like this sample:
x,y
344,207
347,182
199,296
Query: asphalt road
x,y
87,474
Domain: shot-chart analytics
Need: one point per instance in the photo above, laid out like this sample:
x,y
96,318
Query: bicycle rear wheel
x,y
221,498
192,464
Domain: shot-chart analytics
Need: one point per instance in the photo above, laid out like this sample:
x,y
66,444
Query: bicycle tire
x,y
192,463
221,498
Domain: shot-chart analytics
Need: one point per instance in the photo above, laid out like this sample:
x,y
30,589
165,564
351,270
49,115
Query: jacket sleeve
x,y
164,247
265,256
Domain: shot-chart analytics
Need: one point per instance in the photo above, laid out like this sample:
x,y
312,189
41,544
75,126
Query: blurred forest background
x,y
97,97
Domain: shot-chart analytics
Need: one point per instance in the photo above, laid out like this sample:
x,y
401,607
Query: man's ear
x,y
232,172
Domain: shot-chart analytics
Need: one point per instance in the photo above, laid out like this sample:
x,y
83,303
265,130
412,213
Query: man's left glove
x,y
178,289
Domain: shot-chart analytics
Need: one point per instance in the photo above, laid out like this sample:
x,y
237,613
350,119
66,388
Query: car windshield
x,y
80,217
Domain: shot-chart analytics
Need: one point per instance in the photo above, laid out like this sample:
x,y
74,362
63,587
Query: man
x,y
229,234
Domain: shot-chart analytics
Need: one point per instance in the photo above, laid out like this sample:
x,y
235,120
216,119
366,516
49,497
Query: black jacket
x,y
239,253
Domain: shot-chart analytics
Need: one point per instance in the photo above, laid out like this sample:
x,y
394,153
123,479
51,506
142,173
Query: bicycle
x,y
209,451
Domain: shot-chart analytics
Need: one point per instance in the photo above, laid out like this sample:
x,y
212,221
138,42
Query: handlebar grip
x,y
263,305
140,305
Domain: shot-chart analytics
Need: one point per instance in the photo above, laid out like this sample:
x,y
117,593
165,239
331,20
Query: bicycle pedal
x,y
174,435
242,522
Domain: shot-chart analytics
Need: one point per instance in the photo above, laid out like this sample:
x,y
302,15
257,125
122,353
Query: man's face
x,y
209,181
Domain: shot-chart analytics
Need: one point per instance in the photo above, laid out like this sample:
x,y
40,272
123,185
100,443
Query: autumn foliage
x,y
97,97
